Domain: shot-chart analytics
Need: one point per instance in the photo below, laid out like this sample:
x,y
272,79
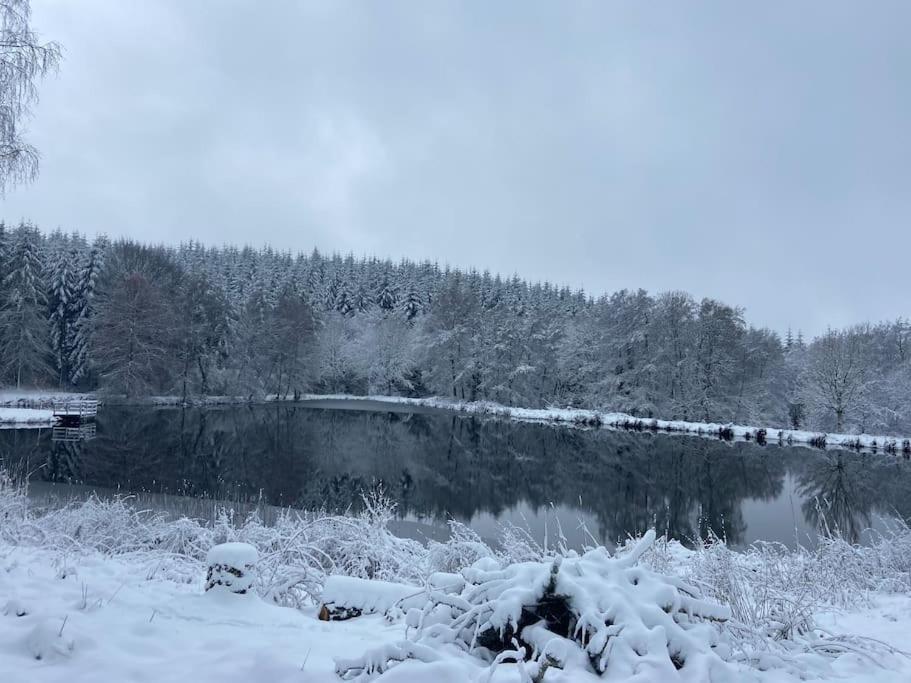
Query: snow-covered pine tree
x,y
24,347
84,302
62,307
4,237
386,296
412,305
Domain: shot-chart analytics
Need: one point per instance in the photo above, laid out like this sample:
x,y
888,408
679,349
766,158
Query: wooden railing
x,y
87,407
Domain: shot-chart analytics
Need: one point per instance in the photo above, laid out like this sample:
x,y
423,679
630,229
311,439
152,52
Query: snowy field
x,y
97,591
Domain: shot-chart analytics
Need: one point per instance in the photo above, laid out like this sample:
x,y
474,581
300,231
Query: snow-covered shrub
x,y
595,613
463,548
299,550
767,587
13,509
518,545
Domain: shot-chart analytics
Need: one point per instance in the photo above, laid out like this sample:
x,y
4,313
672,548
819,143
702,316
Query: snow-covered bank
x,y
595,418
25,417
578,417
39,398
99,591
25,408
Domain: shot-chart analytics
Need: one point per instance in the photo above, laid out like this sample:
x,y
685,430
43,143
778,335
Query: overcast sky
x,y
759,153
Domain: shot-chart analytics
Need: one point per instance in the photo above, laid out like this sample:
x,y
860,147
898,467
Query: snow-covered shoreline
x,y
575,417
25,417
100,591
593,418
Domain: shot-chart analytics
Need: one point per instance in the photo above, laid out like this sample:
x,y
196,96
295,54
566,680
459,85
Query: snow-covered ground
x,y
98,591
25,417
89,617
126,622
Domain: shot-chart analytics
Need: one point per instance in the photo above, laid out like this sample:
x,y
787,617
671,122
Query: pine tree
x,y
412,305
84,309
386,296
62,309
24,347
4,237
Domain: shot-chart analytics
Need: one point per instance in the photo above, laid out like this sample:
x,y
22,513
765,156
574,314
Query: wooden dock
x,y
82,409
74,413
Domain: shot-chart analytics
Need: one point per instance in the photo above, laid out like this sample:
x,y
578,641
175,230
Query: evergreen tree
x,y
24,334
386,296
412,305
84,308
62,309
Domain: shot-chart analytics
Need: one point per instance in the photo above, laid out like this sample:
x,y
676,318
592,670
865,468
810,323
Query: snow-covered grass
x,y
594,418
107,592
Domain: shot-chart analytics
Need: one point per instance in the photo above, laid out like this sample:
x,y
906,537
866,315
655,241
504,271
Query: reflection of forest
x,y
438,465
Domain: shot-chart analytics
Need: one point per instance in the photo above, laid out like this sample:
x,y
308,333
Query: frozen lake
x,y
481,471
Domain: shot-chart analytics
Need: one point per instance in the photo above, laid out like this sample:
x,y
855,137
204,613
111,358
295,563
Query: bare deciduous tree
x,y
23,60
837,372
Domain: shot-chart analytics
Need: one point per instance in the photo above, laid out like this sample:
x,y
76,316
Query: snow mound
x,y
47,640
14,608
231,567
602,615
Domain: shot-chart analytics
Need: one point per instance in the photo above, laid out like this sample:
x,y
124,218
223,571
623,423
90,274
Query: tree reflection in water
x,y
842,491
440,465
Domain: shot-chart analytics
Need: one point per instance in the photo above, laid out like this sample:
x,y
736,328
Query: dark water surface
x,y
478,470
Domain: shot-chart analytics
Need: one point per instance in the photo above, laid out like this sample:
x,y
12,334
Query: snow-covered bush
x,y
594,613
13,509
299,550
464,548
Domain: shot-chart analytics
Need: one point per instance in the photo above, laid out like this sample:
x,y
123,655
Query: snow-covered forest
x,y
139,320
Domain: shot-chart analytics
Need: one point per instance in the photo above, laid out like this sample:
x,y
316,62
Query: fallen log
x,y
347,597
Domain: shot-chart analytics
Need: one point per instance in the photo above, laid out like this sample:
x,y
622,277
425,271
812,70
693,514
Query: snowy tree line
x,y
138,319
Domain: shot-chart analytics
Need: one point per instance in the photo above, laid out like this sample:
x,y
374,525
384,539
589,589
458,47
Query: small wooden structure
x,y
73,413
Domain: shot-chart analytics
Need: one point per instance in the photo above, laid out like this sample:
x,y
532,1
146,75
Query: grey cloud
x,y
760,154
